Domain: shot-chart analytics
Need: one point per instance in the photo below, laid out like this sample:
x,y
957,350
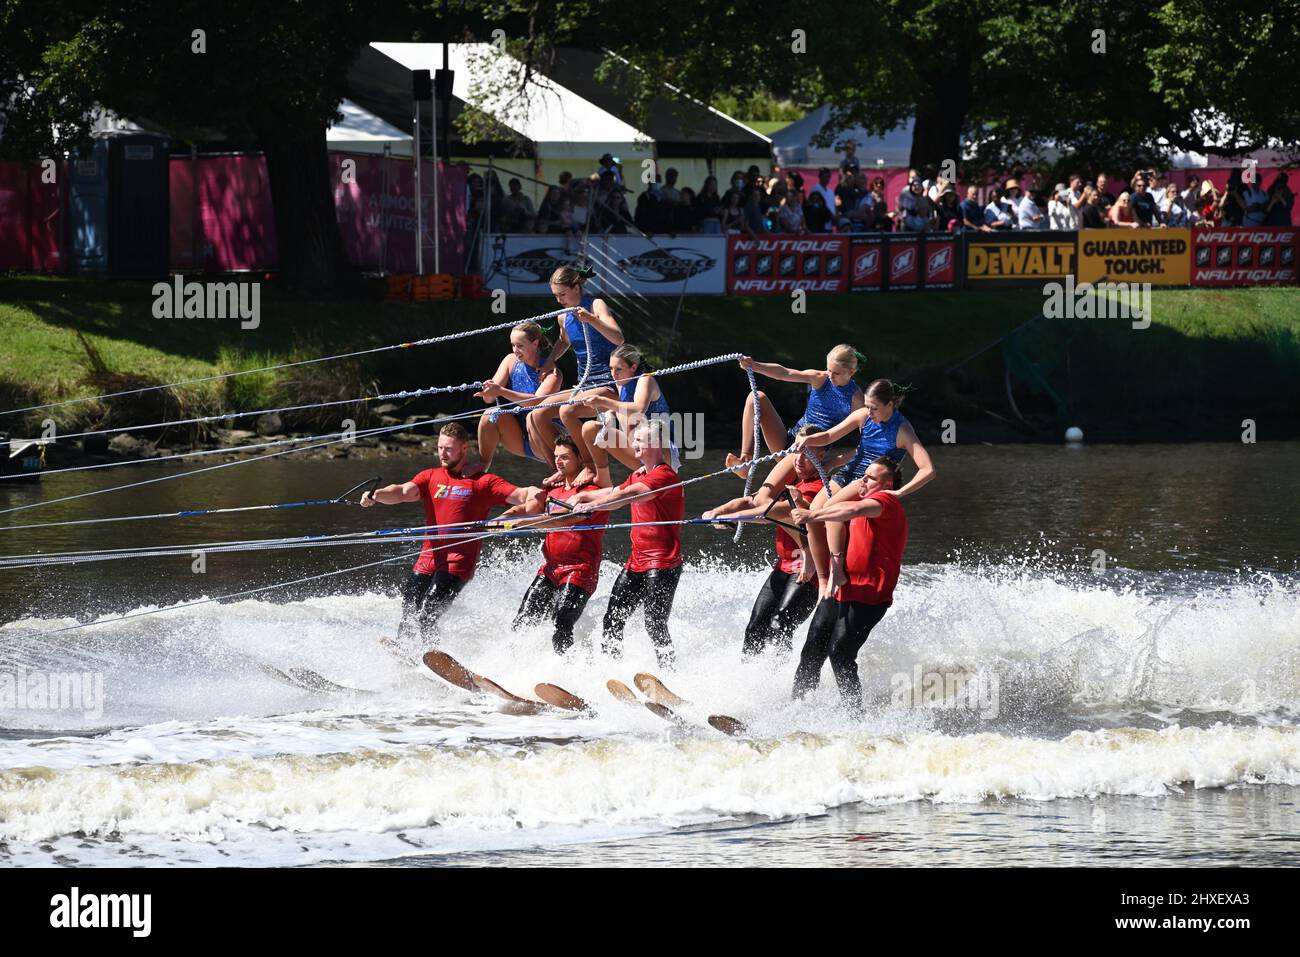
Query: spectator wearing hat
x,y
1205,205
608,164
1011,196
1060,214
947,211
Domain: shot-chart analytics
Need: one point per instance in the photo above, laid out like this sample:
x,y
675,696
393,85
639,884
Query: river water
x,y
1129,616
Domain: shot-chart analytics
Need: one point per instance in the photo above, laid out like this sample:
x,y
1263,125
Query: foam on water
x,y
199,754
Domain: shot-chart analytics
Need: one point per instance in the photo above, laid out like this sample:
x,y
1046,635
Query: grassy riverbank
x,y
1209,359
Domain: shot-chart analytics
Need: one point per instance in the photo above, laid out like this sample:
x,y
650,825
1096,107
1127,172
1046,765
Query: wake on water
x,y
200,756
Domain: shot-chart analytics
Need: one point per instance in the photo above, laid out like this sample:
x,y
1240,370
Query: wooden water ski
x,y
318,682
622,692
275,674
656,691
559,698
727,724
662,711
450,670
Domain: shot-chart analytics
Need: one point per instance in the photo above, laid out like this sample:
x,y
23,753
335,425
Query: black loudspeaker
x,y
421,86
442,83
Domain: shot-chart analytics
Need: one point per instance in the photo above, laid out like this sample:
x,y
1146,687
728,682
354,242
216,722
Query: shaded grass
x,y
1208,351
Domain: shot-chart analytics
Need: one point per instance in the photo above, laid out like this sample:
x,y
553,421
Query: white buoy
x,y
1074,434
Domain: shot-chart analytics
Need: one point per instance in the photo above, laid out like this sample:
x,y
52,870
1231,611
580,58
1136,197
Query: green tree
x,y
206,72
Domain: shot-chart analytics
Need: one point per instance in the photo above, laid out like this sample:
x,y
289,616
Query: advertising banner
x,y
1244,256
1157,256
868,263
1014,258
939,254
663,266
903,257
776,265
901,261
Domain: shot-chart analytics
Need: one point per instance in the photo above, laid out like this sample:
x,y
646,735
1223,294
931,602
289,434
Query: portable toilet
x,y
139,207
88,209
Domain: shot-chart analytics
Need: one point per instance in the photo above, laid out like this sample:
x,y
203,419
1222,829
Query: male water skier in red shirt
x,y
863,576
655,566
450,498
789,594
571,569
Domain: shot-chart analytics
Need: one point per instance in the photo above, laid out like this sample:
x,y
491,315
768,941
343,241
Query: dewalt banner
x,y
1158,256
1018,258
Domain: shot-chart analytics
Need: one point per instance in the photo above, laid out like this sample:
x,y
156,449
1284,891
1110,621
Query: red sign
x,y
779,265
904,265
1244,255
868,263
940,264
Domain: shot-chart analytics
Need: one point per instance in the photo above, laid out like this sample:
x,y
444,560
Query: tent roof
x,y
554,119
792,145
678,126
361,131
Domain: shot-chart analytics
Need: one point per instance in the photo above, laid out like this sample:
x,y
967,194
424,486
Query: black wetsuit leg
x,y
567,607
797,603
855,622
759,630
624,599
536,602
661,588
657,588
425,598
816,647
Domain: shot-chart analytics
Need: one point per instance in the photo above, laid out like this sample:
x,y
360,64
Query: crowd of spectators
x,y
752,204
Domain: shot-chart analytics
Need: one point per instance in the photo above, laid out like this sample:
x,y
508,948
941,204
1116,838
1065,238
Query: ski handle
x,y
369,485
801,529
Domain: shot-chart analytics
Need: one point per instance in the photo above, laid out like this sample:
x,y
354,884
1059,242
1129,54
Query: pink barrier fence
x,y
376,211
30,218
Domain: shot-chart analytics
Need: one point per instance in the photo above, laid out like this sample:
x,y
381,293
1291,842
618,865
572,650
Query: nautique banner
x,y
776,265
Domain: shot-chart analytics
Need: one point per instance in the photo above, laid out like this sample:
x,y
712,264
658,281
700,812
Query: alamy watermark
x,y
24,690
946,690
685,429
179,299
1104,300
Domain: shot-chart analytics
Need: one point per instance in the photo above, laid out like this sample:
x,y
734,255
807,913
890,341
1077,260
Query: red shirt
x,y
656,546
785,543
574,557
875,553
449,498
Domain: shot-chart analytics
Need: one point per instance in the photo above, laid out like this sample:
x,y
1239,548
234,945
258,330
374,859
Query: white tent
x,y
360,131
792,145
561,124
